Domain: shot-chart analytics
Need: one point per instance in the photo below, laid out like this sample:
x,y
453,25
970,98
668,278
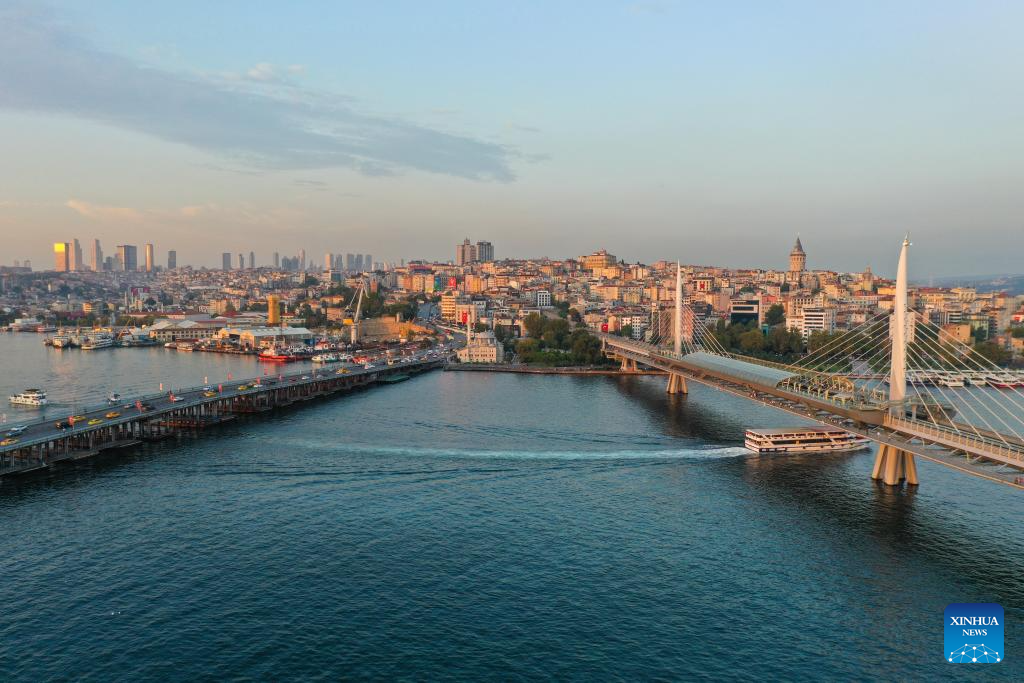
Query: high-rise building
x,y
241,261
359,262
252,259
61,257
328,261
75,256
277,260
97,256
225,261
484,251
350,262
128,257
368,262
172,259
465,253
150,264
302,260
273,309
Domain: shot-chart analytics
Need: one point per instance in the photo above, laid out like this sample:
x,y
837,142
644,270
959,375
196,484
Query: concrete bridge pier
x,y
676,384
894,466
628,365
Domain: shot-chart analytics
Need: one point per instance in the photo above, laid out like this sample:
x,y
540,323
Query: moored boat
x,y
30,397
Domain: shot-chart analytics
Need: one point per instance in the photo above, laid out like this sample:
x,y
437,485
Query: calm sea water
x,y
477,526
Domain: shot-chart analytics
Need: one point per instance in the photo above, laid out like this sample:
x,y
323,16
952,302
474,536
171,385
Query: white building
x,y
482,348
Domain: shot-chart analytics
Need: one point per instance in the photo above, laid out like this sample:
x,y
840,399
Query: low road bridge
x,y
156,416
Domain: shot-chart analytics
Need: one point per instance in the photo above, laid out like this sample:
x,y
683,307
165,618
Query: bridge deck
x,y
989,458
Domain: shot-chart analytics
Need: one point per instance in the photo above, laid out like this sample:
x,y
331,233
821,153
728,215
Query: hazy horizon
x,y
656,130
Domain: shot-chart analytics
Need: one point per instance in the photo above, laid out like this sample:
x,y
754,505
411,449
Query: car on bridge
x,y
8,442
95,421
209,394
112,414
62,424
176,399
16,430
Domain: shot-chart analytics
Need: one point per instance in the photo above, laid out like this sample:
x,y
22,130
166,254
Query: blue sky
x,y
708,132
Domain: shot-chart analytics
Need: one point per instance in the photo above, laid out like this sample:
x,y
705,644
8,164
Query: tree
x,y
575,316
480,327
534,325
626,331
751,341
776,315
994,352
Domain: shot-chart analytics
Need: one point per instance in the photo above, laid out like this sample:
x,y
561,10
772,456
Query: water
x,y
476,526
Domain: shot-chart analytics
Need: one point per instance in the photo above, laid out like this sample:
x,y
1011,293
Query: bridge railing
x,y
953,437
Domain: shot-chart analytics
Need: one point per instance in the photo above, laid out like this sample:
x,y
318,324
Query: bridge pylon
x,y
894,465
676,384
628,364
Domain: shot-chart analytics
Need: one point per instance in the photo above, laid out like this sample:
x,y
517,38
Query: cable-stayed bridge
x,y
896,379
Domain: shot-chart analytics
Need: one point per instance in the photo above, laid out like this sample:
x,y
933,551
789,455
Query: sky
x,y
709,132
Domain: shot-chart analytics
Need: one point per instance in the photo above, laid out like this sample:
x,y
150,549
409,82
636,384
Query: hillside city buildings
x,y
604,291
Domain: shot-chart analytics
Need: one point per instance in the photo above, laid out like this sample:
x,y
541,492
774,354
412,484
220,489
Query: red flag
x,y
138,404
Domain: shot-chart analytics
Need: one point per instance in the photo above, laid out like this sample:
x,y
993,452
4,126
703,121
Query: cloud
x,y
45,67
122,214
199,215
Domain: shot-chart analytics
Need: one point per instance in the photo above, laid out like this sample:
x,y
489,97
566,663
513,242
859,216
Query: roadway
x,y
127,407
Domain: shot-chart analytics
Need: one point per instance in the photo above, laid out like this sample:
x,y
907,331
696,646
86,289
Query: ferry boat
x,y
803,440
30,397
1004,381
280,355
326,358
99,340
954,381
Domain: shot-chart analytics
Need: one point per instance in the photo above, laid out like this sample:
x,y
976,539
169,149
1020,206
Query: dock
x,y
138,419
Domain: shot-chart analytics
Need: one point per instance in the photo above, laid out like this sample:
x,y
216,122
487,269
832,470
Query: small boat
x,y
393,379
99,340
803,440
326,358
953,381
1003,382
114,397
30,397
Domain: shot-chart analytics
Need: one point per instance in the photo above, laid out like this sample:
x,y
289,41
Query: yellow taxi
x,y
94,421
112,414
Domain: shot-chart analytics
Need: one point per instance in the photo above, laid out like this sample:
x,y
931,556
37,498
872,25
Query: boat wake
x,y
691,453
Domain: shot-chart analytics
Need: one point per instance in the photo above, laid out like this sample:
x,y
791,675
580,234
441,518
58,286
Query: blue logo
x,y
974,633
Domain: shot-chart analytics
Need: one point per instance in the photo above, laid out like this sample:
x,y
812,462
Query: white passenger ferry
x,y
803,440
30,397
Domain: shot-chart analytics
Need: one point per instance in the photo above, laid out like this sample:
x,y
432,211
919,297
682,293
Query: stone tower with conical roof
x,y
797,260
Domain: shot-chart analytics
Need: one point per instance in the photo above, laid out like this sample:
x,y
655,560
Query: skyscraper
x,y
75,256
465,253
149,258
368,262
225,261
302,260
484,251
241,261
97,256
350,262
128,257
172,259
61,258
328,260
252,259
277,260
